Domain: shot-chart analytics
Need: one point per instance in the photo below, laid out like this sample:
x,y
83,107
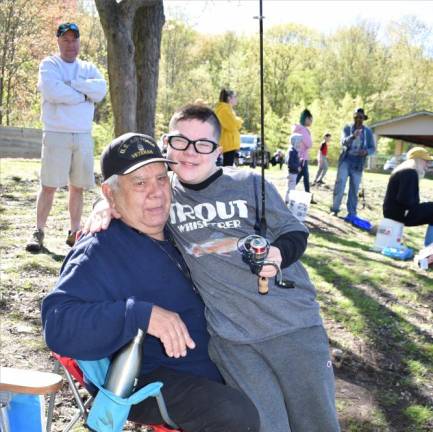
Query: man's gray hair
x,y
113,182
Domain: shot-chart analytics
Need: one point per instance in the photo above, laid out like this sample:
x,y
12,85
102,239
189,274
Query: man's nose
x,y
155,189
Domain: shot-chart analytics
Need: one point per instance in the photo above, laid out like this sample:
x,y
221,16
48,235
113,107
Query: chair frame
x,y
75,380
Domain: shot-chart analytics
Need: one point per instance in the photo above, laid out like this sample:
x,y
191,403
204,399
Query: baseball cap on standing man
x,y
129,152
63,28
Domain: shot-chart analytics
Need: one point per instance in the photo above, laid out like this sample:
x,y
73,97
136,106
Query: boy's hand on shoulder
x,y
100,217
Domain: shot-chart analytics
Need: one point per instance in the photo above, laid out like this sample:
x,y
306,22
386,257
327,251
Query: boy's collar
x,y
205,183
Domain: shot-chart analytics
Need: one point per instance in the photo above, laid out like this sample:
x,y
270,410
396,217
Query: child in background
x,y
293,163
322,158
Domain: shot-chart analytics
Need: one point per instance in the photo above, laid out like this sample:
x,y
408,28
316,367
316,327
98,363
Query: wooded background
x,y
388,71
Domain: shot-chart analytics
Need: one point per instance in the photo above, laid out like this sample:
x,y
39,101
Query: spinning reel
x,y
254,250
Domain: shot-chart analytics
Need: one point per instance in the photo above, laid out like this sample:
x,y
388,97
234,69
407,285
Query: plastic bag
x,y
401,253
358,222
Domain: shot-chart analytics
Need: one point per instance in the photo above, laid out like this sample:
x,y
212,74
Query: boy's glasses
x,y
202,146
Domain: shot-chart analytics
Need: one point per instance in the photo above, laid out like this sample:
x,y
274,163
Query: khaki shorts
x,y
67,158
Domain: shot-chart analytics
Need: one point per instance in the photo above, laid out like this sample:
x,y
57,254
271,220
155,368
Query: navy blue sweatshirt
x,y
107,287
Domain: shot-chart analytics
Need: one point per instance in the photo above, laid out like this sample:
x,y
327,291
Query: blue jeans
x,y
355,176
428,235
305,174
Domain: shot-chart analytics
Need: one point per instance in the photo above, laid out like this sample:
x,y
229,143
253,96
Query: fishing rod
x,y
255,248
262,224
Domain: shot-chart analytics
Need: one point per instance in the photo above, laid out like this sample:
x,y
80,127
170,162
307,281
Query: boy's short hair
x,y
196,112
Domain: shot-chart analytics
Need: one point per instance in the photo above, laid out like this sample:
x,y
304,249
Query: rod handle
x,y
263,285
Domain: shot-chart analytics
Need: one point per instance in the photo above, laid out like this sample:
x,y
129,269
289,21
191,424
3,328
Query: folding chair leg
x,y
78,414
4,422
164,413
5,398
74,420
77,397
52,401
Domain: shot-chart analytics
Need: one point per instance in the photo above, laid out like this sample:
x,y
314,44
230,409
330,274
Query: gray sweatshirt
x,y
206,225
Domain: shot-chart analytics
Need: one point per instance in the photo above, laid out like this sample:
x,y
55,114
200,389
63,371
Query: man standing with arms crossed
x,y
69,87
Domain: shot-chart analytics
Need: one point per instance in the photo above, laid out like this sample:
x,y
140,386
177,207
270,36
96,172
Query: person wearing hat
x,y
357,143
70,87
402,201
132,277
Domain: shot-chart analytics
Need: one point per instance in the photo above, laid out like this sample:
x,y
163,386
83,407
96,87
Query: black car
x,y
250,152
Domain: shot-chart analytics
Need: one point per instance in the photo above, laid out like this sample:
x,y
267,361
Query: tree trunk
x,y
132,38
147,37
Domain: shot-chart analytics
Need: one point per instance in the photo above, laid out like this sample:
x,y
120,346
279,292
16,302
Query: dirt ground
x,y
363,374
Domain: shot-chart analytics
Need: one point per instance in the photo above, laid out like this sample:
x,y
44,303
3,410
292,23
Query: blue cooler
x,y
26,413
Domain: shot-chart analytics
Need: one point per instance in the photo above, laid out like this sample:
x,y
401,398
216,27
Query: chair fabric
x,y
110,412
72,369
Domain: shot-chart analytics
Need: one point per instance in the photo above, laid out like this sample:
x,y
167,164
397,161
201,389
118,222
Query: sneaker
x,y
333,213
72,237
36,241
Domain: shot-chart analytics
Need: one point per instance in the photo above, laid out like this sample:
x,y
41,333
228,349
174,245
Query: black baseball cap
x,y
129,152
63,28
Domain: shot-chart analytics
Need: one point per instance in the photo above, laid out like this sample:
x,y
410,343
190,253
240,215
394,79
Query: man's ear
x,y
108,194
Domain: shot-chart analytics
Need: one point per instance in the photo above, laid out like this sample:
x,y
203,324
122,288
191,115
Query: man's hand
x,y
100,217
363,152
171,330
274,255
357,133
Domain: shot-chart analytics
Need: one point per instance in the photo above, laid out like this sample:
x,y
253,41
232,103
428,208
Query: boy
x,y
272,347
293,163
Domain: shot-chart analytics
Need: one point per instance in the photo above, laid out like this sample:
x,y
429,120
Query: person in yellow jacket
x,y
230,140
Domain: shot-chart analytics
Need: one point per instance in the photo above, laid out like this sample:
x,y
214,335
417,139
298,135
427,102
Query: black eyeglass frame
x,y
193,142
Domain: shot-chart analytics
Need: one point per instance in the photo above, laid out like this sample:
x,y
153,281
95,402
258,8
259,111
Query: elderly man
x,y
70,87
357,143
131,276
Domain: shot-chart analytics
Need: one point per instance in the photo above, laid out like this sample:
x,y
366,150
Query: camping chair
x,y
75,379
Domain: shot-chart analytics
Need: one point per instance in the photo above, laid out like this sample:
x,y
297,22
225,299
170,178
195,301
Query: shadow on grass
x,y
355,250
56,257
392,339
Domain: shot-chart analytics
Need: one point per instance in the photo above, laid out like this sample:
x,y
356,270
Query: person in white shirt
x,y
70,87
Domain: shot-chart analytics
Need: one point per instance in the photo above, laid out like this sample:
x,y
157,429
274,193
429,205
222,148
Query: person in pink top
x,y
306,120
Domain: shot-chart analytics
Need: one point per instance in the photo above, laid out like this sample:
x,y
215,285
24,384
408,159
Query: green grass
x,y
378,311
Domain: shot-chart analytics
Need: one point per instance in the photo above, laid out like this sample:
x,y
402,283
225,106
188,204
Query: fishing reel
x,y
254,250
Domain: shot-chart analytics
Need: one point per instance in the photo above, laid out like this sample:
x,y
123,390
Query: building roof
x,y
415,127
